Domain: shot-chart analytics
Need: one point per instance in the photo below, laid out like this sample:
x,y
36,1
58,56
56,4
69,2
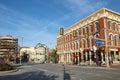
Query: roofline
x,y
92,15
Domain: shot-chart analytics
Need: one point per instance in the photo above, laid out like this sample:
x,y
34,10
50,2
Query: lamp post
x,y
21,48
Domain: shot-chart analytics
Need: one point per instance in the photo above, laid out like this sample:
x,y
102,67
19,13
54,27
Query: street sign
x,y
100,42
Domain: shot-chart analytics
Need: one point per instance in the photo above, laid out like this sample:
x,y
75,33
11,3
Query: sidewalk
x,y
113,66
117,65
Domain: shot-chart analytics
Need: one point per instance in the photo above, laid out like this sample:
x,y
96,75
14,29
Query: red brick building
x,y
91,40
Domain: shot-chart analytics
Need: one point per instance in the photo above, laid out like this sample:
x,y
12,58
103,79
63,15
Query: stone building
x,y
91,40
8,48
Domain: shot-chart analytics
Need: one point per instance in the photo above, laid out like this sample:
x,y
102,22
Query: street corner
x,y
10,71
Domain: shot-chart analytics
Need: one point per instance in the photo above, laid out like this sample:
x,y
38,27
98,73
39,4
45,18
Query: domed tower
x,y
41,52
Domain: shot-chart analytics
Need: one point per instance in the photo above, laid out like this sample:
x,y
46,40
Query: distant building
x,y
37,54
8,48
86,40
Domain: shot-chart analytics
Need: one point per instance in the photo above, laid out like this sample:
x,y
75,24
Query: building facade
x,y
37,54
8,48
91,40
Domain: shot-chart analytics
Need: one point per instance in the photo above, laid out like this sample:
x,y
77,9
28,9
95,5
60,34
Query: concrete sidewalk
x,y
113,66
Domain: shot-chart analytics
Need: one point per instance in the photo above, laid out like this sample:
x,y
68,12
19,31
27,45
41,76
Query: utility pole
x,y
106,45
21,47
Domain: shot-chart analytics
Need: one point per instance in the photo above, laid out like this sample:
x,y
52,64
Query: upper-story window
x,y
91,29
78,32
97,26
111,38
97,36
86,29
114,26
83,31
83,43
116,41
119,27
109,25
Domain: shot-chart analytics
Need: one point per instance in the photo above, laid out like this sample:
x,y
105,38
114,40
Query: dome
x,y
39,45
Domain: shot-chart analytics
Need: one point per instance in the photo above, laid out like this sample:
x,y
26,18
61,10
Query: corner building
x,y
84,41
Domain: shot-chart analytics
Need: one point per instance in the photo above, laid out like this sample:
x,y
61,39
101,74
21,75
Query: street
x,y
61,72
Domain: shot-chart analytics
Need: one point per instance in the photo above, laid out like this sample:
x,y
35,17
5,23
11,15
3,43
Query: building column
x,y
73,58
78,58
95,57
86,55
82,57
66,58
102,58
119,57
115,57
90,57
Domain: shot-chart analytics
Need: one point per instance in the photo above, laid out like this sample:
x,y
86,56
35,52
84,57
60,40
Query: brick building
x,y
91,40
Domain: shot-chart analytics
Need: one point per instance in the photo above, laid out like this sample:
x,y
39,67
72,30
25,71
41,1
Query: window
x,y
116,41
97,36
83,31
110,37
119,27
114,26
97,26
109,25
83,43
91,29
86,29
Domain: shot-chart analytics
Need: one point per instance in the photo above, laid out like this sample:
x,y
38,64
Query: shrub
x,y
5,66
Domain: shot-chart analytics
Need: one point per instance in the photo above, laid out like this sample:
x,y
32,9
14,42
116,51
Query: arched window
x,y
109,25
87,30
97,26
111,38
83,31
119,27
91,29
83,43
116,41
77,45
114,26
97,36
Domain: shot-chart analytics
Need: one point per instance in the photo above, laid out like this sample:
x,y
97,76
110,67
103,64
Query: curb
x,y
10,71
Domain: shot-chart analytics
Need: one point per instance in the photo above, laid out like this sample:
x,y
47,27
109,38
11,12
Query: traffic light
x,y
61,31
108,49
86,36
100,49
74,33
118,49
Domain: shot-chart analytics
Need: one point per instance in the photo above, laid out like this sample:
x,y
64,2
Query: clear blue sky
x,y
40,20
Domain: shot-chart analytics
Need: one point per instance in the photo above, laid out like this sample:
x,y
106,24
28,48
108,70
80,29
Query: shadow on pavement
x,y
36,75
66,75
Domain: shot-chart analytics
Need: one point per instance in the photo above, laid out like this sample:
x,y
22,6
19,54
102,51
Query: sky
x,y
39,21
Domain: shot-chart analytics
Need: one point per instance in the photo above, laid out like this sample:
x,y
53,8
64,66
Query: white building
x,y
35,54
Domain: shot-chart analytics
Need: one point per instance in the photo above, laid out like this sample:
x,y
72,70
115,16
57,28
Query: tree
x,y
54,56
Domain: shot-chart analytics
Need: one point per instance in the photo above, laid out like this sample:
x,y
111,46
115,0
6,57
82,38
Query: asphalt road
x,y
60,72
